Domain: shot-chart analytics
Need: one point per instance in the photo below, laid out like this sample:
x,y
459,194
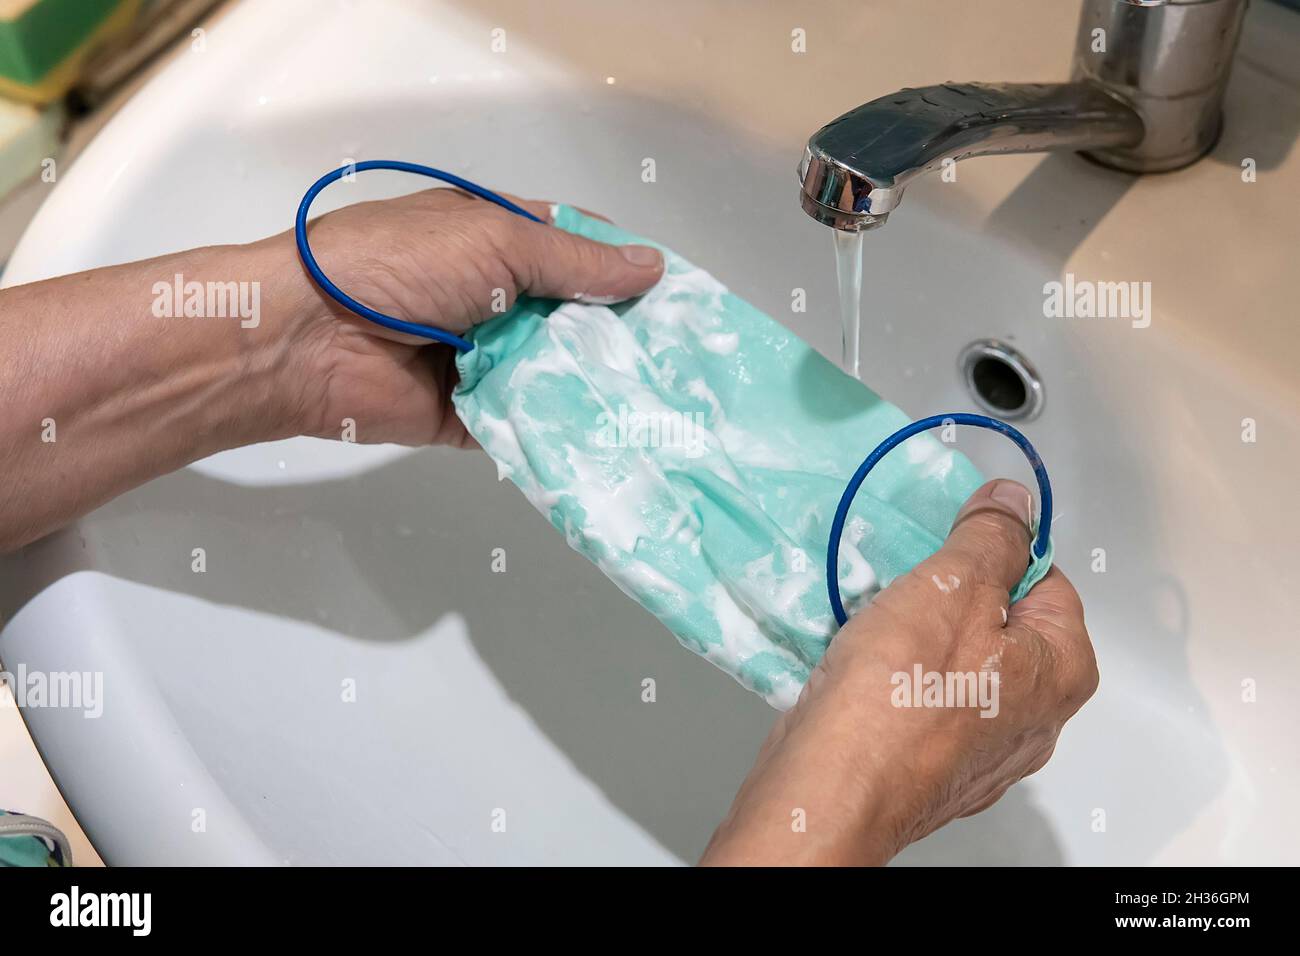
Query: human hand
x,y
169,380
436,257
865,776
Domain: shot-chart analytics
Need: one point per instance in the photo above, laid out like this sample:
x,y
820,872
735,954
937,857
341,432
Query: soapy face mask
x,y
695,450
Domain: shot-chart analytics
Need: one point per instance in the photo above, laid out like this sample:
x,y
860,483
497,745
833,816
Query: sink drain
x,y
1001,380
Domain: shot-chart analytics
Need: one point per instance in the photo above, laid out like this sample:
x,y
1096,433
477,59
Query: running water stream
x,y
848,270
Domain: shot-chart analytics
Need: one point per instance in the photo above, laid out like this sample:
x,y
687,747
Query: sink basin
x,y
350,682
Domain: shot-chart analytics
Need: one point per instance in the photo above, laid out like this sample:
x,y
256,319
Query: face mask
x,y
695,450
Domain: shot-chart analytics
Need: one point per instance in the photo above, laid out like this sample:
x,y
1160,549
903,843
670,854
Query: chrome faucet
x,y
1146,96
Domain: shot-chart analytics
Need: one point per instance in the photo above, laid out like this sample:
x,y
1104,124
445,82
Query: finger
x,y
1052,608
554,264
1054,612
544,209
987,802
545,265
1040,762
441,361
990,536
541,208
593,215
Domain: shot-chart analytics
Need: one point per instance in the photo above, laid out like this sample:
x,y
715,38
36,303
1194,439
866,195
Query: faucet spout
x,y
1146,96
855,168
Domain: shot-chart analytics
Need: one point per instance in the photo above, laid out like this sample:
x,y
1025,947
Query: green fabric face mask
x,y
695,450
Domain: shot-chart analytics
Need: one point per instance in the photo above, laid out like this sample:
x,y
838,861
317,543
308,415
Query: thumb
x,y
554,264
990,534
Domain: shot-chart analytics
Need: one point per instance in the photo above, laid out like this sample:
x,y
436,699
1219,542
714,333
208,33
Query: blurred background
x,y
65,65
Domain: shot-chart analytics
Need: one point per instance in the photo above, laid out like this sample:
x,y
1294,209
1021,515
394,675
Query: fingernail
x,y
1015,497
642,255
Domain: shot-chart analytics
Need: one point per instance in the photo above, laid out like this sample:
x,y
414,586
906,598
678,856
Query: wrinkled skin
x,y
436,256
154,394
868,777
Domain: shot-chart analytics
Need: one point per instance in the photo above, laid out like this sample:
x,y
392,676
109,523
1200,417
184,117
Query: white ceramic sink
x,y
476,691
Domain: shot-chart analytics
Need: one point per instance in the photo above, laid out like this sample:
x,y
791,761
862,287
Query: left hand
x,y
436,257
135,386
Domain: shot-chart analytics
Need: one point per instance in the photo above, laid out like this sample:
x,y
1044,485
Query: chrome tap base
x,y
1146,96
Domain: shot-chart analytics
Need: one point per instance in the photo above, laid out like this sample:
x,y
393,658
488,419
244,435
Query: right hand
x,y
871,777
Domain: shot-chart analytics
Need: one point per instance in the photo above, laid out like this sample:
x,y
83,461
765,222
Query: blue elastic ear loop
x,y
341,297
900,436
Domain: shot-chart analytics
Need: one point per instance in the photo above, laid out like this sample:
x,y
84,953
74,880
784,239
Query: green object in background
x,y
695,450
28,136
42,42
31,841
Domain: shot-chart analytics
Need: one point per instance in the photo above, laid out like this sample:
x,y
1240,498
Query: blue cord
x,y
337,294
438,335
900,436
